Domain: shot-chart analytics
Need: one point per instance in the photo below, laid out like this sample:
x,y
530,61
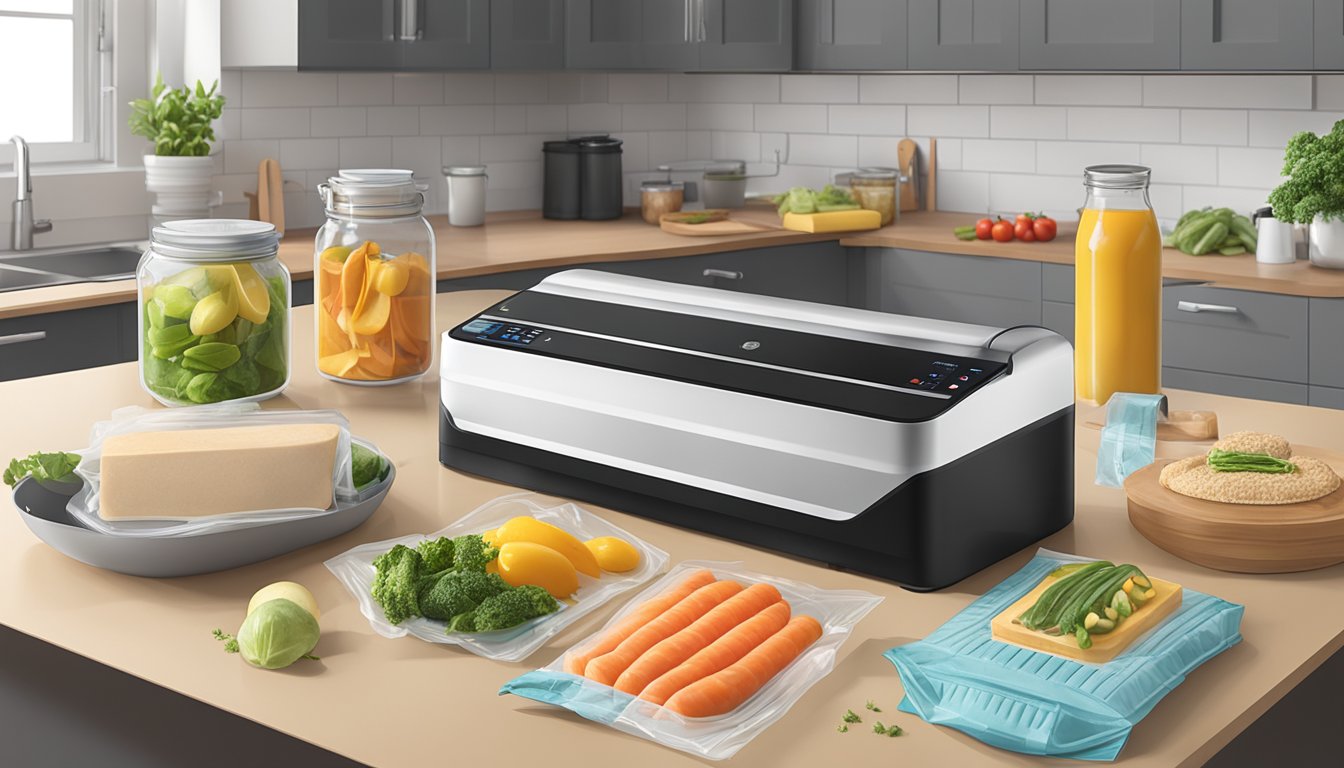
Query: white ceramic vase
x,y
1327,243
181,186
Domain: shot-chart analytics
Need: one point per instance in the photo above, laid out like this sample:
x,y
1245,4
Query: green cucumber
x,y
1044,613
1070,611
1211,237
1232,250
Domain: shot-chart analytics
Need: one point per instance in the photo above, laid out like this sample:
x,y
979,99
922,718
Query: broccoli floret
x,y
509,609
463,622
436,554
471,553
396,583
542,601
458,592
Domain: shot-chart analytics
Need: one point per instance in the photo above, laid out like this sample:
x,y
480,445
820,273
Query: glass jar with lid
x,y
874,189
659,197
375,279
214,312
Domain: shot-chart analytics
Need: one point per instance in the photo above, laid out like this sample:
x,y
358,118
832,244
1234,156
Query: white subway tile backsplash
x,y
1213,126
514,199
949,153
1108,90
547,118
667,147
468,88
722,88
908,89
564,87
1167,203
245,155
418,88
364,89
698,145
731,145
1180,163
948,121
1058,196
1273,128
868,119
963,191
1252,91
510,118
772,143
653,117
461,150
813,149
393,121
1247,167
231,87
1124,124
1010,122
634,150
421,154
230,125
521,88
636,88
995,89
264,88
1069,158
880,151
307,154
275,123
720,117
367,152
451,120
1241,200
594,118
516,175
819,89
497,149
791,118
339,121
998,155
1329,92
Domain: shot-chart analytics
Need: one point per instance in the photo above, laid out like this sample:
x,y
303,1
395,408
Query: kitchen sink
x,y
18,279
102,263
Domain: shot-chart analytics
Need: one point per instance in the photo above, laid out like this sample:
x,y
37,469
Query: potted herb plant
x,y
1314,192
180,123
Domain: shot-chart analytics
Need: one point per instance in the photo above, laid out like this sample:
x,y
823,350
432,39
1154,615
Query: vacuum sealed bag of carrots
x,y
704,659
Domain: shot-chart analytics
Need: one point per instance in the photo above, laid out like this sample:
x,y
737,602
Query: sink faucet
x,y
21,238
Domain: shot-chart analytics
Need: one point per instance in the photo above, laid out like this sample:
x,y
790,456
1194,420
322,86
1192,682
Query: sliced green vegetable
x,y
1236,461
217,355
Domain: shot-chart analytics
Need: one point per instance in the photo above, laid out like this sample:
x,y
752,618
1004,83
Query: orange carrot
x,y
703,631
609,666
719,654
724,690
576,661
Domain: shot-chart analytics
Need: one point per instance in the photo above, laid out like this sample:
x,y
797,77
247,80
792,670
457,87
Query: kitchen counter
x,y
521,240
378,700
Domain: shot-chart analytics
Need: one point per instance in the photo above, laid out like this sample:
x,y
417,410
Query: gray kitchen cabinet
x,y
746,35
1057,282
1058,317
300,292
527,34
1324,345
967,289
1100,34
850,34
1234,386
1325,397
963,35
35,345
630,34
1247,34
1236,333
394,34
1328,24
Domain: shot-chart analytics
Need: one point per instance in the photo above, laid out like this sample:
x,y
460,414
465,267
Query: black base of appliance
x,y
931,532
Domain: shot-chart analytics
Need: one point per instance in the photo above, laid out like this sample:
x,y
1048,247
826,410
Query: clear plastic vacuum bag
x,y
1040,704
719,737
355,570
83,506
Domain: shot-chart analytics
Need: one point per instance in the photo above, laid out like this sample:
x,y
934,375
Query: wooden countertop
x,y
521,240
159,630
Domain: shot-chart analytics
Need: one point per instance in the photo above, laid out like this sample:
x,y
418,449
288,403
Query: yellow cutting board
x,y
833,221
1104,647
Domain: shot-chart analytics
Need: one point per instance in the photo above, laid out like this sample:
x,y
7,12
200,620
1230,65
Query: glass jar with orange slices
x,y
374,279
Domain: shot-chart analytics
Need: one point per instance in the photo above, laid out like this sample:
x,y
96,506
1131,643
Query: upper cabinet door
x,y
631,34
1329,24
394,34
963,34
1246,34
1100,34
527,34
445,34
752,35
850,34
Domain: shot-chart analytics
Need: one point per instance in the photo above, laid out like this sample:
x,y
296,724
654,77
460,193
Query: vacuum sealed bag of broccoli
x,y
500,581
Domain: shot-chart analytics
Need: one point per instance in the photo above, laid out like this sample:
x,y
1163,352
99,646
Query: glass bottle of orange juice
x,y
1118,288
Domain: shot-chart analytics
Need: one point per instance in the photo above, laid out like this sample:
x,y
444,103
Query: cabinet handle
x,y
19,338
726,274
410,21
1194,306
686,16
699,21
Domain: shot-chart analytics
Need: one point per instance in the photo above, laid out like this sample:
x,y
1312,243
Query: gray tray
x,y
42,508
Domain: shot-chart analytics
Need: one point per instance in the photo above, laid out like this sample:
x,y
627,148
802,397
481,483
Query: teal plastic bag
x,y
1040,704
1129,439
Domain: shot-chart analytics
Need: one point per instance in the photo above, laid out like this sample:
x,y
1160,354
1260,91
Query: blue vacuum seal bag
x,y
1129,439
1040,704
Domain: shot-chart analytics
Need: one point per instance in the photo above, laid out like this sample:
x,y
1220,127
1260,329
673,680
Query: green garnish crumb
x,y
230,642
850,717
883,730
873,707
842,728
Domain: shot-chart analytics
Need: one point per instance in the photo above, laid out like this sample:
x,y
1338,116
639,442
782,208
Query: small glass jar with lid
x,y
874,189
659,197
214,312
375,276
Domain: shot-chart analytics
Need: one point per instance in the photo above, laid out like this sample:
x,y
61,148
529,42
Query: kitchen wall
x,y
1005,142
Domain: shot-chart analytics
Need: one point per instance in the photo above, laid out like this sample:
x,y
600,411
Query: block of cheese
x,y
194,473
833,221
1105,646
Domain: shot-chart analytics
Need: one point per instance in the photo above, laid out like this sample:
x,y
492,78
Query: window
x,y
54,57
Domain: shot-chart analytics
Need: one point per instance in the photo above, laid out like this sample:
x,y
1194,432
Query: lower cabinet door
x,y
967,289
1236,333
36,345
1325,397
1235,386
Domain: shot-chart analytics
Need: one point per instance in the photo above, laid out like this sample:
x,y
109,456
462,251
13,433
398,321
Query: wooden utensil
x,y
906,152
1242,538
931,184
271,194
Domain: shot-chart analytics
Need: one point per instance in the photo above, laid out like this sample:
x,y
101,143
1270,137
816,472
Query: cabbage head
x,y
278,633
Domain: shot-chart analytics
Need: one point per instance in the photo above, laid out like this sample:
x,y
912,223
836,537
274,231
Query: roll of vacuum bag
x,y
1129,439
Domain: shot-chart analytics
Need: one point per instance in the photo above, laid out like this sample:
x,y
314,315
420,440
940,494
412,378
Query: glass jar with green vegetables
x,y
214,312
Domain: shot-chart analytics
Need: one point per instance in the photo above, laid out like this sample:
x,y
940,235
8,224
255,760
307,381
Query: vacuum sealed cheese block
x,y
193,473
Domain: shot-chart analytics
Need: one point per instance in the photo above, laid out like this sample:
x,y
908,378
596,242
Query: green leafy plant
x,y
1314,166
178,120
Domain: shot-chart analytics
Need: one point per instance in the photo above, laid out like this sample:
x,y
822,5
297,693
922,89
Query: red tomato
x,y
1023,218
1002,231
1045,228
983,227
1022,229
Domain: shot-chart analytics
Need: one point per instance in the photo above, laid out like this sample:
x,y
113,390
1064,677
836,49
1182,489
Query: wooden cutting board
x,y
906,152
1241,538
728,226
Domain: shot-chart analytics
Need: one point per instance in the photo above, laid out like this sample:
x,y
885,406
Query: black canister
x,y
600,181
560,187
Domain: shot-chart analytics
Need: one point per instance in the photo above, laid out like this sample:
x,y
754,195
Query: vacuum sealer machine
x,y
915,450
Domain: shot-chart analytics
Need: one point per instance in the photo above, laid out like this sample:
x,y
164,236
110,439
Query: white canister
x,y
1273,239
1327,243
466,194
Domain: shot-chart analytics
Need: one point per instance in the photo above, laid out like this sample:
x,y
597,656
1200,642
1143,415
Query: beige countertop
x,y
521,240
376,700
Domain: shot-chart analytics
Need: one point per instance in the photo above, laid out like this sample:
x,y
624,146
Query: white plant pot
x,y
181,185
1327,243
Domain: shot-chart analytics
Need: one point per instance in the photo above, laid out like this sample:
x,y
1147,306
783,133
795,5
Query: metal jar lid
x,y
726,170
464,170
876,173
662,186
1117,176
372,193
600,145
215,240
